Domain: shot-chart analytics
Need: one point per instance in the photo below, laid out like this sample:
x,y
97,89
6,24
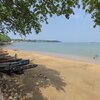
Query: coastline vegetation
x,y
28,40
4,39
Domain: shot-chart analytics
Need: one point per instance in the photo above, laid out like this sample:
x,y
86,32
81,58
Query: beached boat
x,y
19,70
16,63
11,64
3,54
16,67
6,57
2,51
9,60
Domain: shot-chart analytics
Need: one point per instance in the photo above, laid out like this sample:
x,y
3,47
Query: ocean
x,y
88,50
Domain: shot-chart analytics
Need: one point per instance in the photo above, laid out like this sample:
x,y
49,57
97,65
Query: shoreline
x,y
66,57
67,79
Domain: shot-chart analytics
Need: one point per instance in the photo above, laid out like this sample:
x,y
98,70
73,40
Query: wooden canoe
x,y
5,57
3,54
9,60
13,65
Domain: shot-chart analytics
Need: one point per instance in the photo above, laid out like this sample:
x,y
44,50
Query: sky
x,y
79,28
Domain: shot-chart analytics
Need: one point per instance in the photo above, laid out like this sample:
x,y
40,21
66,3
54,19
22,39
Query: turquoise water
x,y
74,49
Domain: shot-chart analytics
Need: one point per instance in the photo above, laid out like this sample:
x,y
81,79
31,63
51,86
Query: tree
x,y
93,7
4,38
24,15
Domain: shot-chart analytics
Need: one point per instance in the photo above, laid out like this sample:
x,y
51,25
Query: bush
x,y
4,38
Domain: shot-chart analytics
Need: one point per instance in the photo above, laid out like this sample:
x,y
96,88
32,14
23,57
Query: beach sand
x,y
58,78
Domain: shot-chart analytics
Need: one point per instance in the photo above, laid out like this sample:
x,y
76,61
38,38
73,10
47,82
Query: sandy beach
x,y
58,78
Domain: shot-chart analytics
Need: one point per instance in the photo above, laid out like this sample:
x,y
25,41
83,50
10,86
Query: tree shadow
x,y
28,86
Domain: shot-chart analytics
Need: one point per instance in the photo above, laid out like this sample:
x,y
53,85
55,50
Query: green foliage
x,y
23,16
93,7
4,38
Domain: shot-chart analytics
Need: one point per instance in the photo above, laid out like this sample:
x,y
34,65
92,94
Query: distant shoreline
x,y
28,40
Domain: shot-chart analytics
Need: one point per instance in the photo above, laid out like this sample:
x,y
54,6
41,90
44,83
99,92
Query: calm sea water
x,y
88,50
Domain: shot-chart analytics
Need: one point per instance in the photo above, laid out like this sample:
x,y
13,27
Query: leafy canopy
x,y
4,38
24,15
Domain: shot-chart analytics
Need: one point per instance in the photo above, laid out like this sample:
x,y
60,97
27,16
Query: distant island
x,y
28,40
